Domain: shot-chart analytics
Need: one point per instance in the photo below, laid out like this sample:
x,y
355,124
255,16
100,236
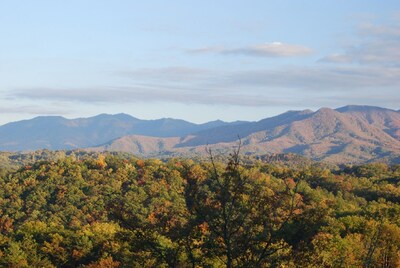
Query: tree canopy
x,y
106,210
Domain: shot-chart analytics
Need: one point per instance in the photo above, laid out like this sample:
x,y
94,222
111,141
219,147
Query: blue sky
x,y
196,60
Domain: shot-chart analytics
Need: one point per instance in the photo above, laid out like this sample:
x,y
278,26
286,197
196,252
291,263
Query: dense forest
x,y
108,210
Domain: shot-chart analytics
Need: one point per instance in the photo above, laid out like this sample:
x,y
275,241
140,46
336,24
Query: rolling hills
x,y
350,134
56,132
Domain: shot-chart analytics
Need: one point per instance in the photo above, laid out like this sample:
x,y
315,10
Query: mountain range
x,y
350,134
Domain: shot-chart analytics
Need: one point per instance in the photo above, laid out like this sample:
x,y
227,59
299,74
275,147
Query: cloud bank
x,y
274,49
32,109
272,87
366,72
376,45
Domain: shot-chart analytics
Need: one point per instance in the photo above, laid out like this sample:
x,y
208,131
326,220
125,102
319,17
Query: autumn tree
x,y
242,213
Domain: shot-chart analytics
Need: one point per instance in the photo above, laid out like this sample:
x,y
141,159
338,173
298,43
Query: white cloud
x,y
319,78
214,49
336,58
274,49
376,45
370,30
369,67
32,109
124,95
273,87
173,73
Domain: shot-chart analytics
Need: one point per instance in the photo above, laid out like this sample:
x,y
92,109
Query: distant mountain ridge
x,y
350,134
56,132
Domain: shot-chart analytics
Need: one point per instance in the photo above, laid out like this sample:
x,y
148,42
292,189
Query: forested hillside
x,y
350,134
347,135
106,210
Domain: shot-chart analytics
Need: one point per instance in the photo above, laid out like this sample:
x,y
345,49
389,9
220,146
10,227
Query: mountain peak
x,y
124,116
360,108
351,133
51,117
325,111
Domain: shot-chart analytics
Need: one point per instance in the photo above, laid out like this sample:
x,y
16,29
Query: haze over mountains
x,y
56,132
351,134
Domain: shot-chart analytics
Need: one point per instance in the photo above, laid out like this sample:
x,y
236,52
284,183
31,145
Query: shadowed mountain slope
x,y
55,132
351,134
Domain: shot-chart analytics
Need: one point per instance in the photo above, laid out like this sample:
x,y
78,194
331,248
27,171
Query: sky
x,y
196,60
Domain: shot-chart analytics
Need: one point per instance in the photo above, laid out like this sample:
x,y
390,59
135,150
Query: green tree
x,y
244,213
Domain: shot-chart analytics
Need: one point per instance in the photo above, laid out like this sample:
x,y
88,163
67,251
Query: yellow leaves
x,y
290,183
107,262
140,163
6,224
326,252
256,175
34,227
154,189
385,237
15,256
103,230
326,173
351,250
74,223
61,171
197,173
152,218
297,211
266,178
98,236
164,184
129,167
61,192
204,228
269,192
164,241
220,241
55,248
161,212
212,203
77,254
101,161
30,182
28,167
390,189
245,197
178,165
